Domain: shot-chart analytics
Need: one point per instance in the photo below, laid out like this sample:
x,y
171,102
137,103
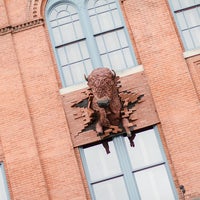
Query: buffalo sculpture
x,y
105,101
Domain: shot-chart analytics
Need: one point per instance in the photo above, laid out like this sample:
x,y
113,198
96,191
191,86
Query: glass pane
x,y
88,66
62,56
67,32
73,53
61,7
196,36
192,17
116,18
111,41
117,59
56,36
146,151
175,4
52,15
62,14
181,20
84,50
95,24
154,184
105,60
101,44
122,38
3,191
78,72
78,30
100,164
105,21
113,189
186,3
67,75
188,40
128,58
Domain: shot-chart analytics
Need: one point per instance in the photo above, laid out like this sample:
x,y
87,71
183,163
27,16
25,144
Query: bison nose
x,y
103,103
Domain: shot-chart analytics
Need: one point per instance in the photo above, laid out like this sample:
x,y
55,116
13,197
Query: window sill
x,y
73,88
188,54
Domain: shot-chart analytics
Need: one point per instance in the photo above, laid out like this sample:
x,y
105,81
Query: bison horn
x,y
114,73
85,77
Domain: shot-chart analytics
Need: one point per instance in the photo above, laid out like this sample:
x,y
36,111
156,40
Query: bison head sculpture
x,y
105,100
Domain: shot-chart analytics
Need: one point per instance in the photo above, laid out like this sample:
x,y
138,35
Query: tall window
x,y
187,15
4,195
139,173
87,34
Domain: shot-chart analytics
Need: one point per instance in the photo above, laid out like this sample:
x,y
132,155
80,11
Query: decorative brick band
x,y
21,27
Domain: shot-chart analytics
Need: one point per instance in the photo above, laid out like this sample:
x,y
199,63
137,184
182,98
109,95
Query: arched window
x,y
187,16
87,34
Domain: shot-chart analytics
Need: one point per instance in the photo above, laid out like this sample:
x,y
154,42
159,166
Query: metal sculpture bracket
x,y
105,107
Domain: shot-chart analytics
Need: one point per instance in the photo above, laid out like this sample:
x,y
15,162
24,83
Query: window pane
x,y
175,4
67,75
181,20
78,71
186,3
122,38
67,33
57,36
3,188
106,22
88,66
154,184
113,189
117,59
128,58
112,41
73,52
196,36
100,164
188,39
105,60
192,17
146,151
104,15
116,19
101,44
62,56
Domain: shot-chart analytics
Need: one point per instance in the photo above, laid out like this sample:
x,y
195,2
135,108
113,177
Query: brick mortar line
x,y
21,27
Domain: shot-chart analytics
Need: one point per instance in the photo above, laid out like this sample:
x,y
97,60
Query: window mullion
x,y
126,168
87,172
88,32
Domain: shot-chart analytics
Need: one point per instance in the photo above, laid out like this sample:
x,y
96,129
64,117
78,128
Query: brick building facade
x,y
40,152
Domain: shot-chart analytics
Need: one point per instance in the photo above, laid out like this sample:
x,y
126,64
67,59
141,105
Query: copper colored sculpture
x,y
110,108
105,101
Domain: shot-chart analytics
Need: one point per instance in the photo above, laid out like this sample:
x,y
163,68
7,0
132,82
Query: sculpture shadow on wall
x,y
107,108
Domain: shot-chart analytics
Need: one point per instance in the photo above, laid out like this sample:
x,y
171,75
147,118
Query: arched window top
x,y
104,15
87,34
